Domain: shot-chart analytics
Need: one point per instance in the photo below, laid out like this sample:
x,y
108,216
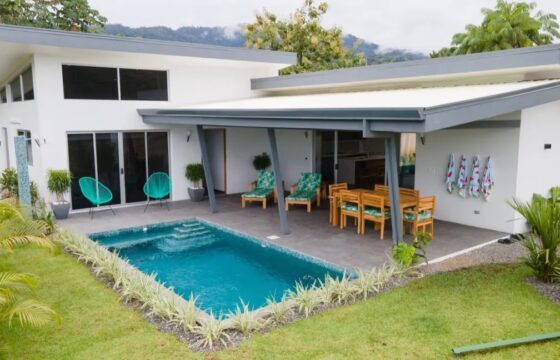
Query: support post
x,y
393,179
278,179
207,169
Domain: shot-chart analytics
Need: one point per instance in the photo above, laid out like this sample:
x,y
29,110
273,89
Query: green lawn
x,y
422,320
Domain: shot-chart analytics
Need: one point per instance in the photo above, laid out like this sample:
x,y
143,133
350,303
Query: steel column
x,y
393,177
278,179
207,168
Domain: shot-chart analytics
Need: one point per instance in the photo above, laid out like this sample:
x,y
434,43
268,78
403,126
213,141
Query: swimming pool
x,y
217,265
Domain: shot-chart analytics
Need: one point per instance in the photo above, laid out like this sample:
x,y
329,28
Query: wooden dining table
x,y
405,201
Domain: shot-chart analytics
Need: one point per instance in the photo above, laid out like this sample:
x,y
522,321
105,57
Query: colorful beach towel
x,y
488,179
450,180
474,180
462,178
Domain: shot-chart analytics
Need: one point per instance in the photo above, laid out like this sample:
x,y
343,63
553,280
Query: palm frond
x,y
30,312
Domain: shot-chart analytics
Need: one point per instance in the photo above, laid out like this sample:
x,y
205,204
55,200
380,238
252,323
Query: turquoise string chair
x,y
96,193
157,187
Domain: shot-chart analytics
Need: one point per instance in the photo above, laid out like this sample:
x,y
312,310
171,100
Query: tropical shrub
x,y
338,291
279,311
409,255
194,173
42,213
261,162
306,299
245,320
9,182
58,182
212,331
542,242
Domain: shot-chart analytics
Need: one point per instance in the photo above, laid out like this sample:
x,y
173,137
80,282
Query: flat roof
x,y
466,65
78,40
403,110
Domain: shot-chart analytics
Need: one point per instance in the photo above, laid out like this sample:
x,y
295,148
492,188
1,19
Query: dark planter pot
x,y
60,210
196,195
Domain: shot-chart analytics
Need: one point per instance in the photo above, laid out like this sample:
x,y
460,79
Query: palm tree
x,y
16,289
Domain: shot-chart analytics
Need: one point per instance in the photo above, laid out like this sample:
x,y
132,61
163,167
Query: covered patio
x,y
310,234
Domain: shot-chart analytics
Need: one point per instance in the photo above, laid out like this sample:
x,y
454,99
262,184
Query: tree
x,y
509,25
317,47
72,15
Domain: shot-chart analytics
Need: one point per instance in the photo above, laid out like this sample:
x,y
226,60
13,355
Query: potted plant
x,y
194,173
261,162
58,183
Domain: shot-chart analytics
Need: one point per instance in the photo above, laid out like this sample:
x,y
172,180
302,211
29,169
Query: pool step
x,y
189,235
130,243
185,244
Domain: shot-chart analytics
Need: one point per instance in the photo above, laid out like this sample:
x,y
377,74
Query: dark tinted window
x,y
27,79
80,152
15,88
3,97
87,82
143,84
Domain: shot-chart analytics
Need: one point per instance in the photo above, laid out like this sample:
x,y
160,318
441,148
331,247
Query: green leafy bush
x,y
409,255
194,173
9,182
59,182
261,162
542,242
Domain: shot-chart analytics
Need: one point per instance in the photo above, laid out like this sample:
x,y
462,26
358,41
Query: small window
x,y
27,135
15,88
143,84
3,96
87,82
27,80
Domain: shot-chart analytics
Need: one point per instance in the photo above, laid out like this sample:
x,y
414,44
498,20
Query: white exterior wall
x,y
431,169
538,169
189,81
294,151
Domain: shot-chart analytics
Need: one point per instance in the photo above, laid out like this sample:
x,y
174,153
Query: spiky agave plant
x,y
245,320
306,299
279,311
186,313
211,331
337,290
367,282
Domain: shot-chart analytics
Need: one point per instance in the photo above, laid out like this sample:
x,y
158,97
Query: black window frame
x,y
3,95
156,87
19,93
112,85
30,93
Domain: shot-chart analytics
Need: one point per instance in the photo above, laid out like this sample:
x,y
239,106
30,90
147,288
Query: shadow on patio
x,y
310,234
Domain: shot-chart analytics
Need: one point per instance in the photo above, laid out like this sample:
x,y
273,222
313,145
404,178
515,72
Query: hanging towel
x,y
488,179
450,180
462,178
474,181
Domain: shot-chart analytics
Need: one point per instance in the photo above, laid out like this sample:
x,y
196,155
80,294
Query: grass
x,y
425,319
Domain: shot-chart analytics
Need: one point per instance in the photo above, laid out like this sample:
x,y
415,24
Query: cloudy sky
x,y
421,25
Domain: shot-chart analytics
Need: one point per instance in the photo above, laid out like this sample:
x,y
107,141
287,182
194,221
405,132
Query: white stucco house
x,y
120,108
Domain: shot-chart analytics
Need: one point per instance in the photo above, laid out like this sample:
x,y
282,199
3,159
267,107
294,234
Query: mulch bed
x,y
549,290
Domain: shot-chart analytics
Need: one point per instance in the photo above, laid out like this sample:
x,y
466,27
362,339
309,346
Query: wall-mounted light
x,y
306,134
188,135
423,138
547,146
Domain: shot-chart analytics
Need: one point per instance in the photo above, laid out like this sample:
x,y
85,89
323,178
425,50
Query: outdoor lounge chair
x,y
421,216
350,207
373,209
307,189
157,187
96,193
261,190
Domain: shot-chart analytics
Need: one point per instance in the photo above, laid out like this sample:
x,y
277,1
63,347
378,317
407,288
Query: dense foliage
x,y
317,48
543,241
194,173
509,25
59,182
261,162
9,186
72,15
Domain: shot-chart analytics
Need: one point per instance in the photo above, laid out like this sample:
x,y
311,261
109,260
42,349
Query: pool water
x,y
217,265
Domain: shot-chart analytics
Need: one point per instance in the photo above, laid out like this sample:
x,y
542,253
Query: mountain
x,y
233,36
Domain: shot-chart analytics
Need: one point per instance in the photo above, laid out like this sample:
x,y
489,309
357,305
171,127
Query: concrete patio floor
x,y
310,234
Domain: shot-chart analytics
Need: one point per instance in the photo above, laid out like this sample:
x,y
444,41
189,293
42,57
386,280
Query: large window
x,y
27,83
143,84
27,135
15,89
87,82
3,96
98,83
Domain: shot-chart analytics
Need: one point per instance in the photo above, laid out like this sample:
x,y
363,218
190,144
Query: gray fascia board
x,y
455,114
496,60
69,39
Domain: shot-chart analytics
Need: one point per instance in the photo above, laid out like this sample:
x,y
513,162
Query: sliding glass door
x,y
120,160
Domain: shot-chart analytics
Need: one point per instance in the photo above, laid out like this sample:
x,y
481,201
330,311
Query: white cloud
x,y
410,24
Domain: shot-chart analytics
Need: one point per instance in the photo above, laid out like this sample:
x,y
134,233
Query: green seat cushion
x,y
265,180
349,207
423,215
258,193
309,182
376,212
303,195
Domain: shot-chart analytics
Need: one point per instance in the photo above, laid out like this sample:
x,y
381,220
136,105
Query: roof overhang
x,y
447,108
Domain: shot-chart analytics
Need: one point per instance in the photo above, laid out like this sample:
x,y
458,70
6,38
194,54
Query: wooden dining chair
x,y
349,207
409,192
373,209
333,201
381,188
421,216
